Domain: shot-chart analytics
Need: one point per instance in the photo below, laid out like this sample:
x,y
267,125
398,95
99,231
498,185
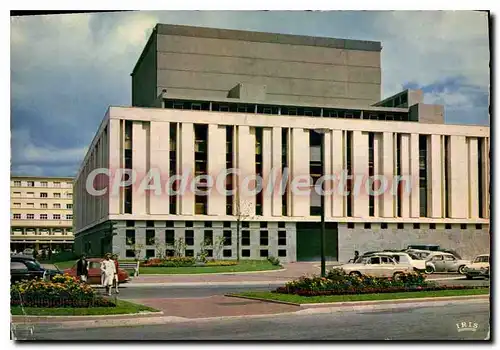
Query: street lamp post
x,y
322,132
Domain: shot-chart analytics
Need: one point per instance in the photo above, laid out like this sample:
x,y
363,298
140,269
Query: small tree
x,y
241,213
179,247
202,255
159,248
218,246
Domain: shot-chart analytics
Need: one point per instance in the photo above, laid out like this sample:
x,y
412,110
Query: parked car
x,y
28,268
378,265
444,262
416,262
480,267
95,272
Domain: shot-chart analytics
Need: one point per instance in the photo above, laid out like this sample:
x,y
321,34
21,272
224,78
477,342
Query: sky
x,y
66,70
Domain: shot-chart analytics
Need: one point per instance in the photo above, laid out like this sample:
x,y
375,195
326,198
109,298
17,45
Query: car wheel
x,y
397,276
429,269
355,274
461,269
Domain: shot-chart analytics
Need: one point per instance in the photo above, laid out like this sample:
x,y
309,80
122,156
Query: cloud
x,y
67,69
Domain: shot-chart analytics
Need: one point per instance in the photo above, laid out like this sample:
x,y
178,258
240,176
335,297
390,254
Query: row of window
x,y
56,184
208,237
43,205
244,224
416,226
226,253
32,232
42,216
42,195
286,110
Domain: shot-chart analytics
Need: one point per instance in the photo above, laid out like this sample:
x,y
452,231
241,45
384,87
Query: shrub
x,y
273,260
62,291
64,256
180,261
339,282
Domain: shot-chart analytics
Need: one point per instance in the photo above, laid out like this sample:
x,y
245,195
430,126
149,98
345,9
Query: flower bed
x,y
62,291
337,282
170,262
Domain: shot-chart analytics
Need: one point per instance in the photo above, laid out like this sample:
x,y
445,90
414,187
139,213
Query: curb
x,y
262,299
211,273
62,317
191,284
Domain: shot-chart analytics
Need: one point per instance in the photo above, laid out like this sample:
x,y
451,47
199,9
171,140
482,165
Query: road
x,y
425,323
128,292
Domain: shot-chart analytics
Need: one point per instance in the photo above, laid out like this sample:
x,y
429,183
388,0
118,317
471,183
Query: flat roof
x,y
42,177
276,38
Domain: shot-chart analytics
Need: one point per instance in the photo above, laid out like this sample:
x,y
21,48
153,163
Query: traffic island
x,y
338,286
292,299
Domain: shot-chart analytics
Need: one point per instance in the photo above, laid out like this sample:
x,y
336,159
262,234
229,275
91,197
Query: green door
x,y
309,241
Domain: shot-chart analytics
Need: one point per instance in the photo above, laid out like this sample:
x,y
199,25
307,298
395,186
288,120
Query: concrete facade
x,y
195,61
146,145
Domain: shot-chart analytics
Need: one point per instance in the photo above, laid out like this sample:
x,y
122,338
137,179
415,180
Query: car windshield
x,y
33,264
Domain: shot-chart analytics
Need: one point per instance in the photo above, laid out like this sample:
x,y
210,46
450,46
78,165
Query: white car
x,y
378,265
407,258
445,262
480,267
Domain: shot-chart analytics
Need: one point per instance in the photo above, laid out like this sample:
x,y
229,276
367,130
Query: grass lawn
x,y
244,265
291,298
122,307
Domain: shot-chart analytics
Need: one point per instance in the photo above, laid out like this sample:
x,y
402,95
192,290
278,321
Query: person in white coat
x,y
108,271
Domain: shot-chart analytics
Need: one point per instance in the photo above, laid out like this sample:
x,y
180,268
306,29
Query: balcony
x,y
41,223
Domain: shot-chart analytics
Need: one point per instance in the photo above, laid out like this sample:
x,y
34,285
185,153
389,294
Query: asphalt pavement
x,y
147,292
424,323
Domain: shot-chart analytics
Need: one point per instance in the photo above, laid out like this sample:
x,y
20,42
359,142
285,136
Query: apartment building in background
x,y
205,100
41,213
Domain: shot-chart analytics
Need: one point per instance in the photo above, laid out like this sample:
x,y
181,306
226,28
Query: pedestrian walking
x,y
82,268
108,271
115,278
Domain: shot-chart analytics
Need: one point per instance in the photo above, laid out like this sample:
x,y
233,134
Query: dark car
x,y
27,268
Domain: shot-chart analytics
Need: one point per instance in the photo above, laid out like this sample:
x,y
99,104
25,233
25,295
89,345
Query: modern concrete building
x,y
41,213
255,102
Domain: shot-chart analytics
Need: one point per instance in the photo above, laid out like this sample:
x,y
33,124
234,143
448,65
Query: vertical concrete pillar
x,y
377,170
473,178
360,173
216,167
186,163
458,195
115,152
159,164
327,170
415,176
139,149
387,170
266,171
485,150
434,183
276,171
337,166
246,165
405,171
300,177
